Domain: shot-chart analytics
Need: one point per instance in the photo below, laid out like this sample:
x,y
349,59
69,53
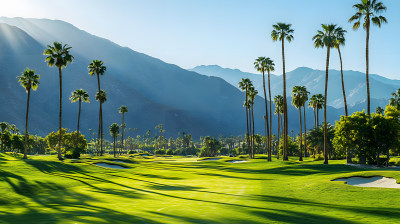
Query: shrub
x,y
73,153
159,152
170,152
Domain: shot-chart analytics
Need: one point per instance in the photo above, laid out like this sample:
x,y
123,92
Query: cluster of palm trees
x,y
330,36
250,94
59,55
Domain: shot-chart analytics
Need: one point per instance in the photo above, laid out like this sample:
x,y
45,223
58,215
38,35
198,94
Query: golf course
x,y
179,189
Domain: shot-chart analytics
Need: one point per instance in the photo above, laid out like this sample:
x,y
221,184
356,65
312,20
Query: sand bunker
x,y
378,181
211,159
106,165
237,161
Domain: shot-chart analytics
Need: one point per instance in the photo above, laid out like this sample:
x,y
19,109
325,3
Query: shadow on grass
x,y
386,212
51,166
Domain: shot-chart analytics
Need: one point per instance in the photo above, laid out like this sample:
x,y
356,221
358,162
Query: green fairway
x,y
181,190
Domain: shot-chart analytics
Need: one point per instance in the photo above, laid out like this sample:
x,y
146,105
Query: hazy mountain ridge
x,y
314,80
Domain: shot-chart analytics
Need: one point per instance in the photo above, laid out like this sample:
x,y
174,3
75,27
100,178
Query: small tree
x,y
114,131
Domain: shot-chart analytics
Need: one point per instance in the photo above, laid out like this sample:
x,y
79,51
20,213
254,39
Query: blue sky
x,y
229,33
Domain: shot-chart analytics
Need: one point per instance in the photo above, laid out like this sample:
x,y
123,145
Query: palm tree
x,y
114,131
313,104
101,96
278,101
97,67
58,55
283,32
79,95
320,103
395,100
244,86
379,110
340,41
297,101
122,110
370,11
29,80
252,95
270,66
326,38
261,66
304,94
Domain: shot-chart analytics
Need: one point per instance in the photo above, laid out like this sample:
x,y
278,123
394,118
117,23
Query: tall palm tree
x,y
114,131
283,32
304,94
244,86
29,80
122,110
326,38
369,11
340,41
270,66
101,96
79,95
252,95
97,67
320,104
313,104
58,55
278,101
261,66
297,101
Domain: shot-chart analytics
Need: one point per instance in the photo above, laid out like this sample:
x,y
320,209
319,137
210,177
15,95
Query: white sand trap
x,y
211,159
106,165
379,181
237,161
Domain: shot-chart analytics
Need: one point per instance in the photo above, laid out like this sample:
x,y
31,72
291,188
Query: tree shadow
x,y
51,166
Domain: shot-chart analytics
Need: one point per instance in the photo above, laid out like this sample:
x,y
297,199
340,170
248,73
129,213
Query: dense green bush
x,y
73,153
159,152
170,152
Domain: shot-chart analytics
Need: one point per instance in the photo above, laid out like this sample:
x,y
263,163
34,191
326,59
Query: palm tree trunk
x,y
343,89
252,114
285,118
99,132
367,70
270,115
301,137
60,116
101,129
247,122
326,99
279,135
315,118
250,137
305,132
26,125
114,145
79,117
122,134
266,118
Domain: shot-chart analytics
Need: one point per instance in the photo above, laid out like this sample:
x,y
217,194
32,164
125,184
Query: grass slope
x,y
165,190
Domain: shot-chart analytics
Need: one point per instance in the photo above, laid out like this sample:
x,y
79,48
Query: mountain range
x,y
154,91
314,80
